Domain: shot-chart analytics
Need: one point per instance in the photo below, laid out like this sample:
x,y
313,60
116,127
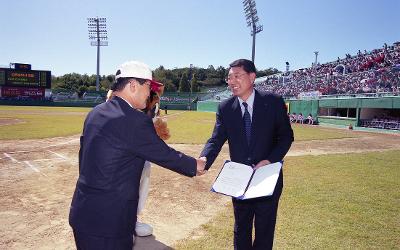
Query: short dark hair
x,y
121,82
247,65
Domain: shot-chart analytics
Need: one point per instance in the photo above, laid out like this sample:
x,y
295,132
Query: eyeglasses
x,y
234,77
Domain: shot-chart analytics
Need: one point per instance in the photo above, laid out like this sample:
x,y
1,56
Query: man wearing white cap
x,y
117,139
152,109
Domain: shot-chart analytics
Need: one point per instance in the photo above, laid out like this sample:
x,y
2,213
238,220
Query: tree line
x,y
175,80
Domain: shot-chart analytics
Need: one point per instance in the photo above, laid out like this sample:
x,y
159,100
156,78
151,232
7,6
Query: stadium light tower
x,y
316,58
190,85
250,13
98,36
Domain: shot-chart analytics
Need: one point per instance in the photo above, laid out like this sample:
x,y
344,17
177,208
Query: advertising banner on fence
x,y
20,92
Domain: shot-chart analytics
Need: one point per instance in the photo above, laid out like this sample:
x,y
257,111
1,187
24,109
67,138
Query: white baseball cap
x,y
137,70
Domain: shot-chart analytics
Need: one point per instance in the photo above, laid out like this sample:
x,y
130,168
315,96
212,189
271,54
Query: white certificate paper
x,y
242,182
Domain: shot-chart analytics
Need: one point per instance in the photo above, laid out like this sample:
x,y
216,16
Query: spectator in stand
x,y
368,72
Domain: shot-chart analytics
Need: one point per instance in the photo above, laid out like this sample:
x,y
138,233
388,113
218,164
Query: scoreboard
x,y
25,78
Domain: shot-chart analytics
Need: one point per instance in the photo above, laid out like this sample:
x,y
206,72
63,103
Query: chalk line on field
x,y
31,166
11,158
63,143
59,155
48,159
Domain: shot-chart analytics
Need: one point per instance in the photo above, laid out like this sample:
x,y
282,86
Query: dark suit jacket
x,y
271,135
115,143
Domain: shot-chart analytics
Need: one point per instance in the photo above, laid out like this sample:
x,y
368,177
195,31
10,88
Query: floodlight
x,y
97,33
250,12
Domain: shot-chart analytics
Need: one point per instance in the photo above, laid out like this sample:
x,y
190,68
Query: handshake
x,y
201,164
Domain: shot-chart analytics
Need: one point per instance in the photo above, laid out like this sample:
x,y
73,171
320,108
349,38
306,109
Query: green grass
x,y
190,127
329,201
185,127
196,128
341,201
216,234
43,108
41,122
306,133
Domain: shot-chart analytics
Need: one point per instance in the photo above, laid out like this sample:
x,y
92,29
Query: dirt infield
x,y
37,179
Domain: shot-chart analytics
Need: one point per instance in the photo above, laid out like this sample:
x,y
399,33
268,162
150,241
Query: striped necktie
x,y
247,122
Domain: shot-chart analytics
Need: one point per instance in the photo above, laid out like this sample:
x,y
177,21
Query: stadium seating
x,y
377,71
382,123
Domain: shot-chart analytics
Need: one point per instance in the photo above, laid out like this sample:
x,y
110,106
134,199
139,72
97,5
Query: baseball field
x,y
341,186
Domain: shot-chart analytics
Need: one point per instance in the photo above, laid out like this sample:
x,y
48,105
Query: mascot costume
x,y
153,110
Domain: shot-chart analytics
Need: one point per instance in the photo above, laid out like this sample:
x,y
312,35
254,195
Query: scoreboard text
x,y
25,78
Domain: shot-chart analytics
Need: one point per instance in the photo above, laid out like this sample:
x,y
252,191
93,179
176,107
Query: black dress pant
x,y
89,242
263,212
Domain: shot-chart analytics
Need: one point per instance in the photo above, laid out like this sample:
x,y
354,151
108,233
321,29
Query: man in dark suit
x,y
117,138
258,131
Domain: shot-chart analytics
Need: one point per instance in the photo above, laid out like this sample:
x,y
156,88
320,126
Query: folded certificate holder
x,y
243,182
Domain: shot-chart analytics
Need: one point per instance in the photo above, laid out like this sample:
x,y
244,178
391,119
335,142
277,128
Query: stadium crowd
x,y
376,71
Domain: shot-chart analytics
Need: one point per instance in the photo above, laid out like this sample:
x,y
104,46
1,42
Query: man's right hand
x,y
201,164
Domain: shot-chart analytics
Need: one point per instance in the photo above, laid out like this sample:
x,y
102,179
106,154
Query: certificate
x,y
243,182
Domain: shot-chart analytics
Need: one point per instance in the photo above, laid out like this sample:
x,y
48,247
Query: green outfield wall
x,y
336,111
340,121
304,107
210,106
345,111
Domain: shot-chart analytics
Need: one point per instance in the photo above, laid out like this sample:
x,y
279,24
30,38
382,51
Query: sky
x,y
53,34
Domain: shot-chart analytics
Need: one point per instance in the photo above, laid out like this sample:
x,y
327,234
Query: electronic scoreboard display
x,y
25,78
